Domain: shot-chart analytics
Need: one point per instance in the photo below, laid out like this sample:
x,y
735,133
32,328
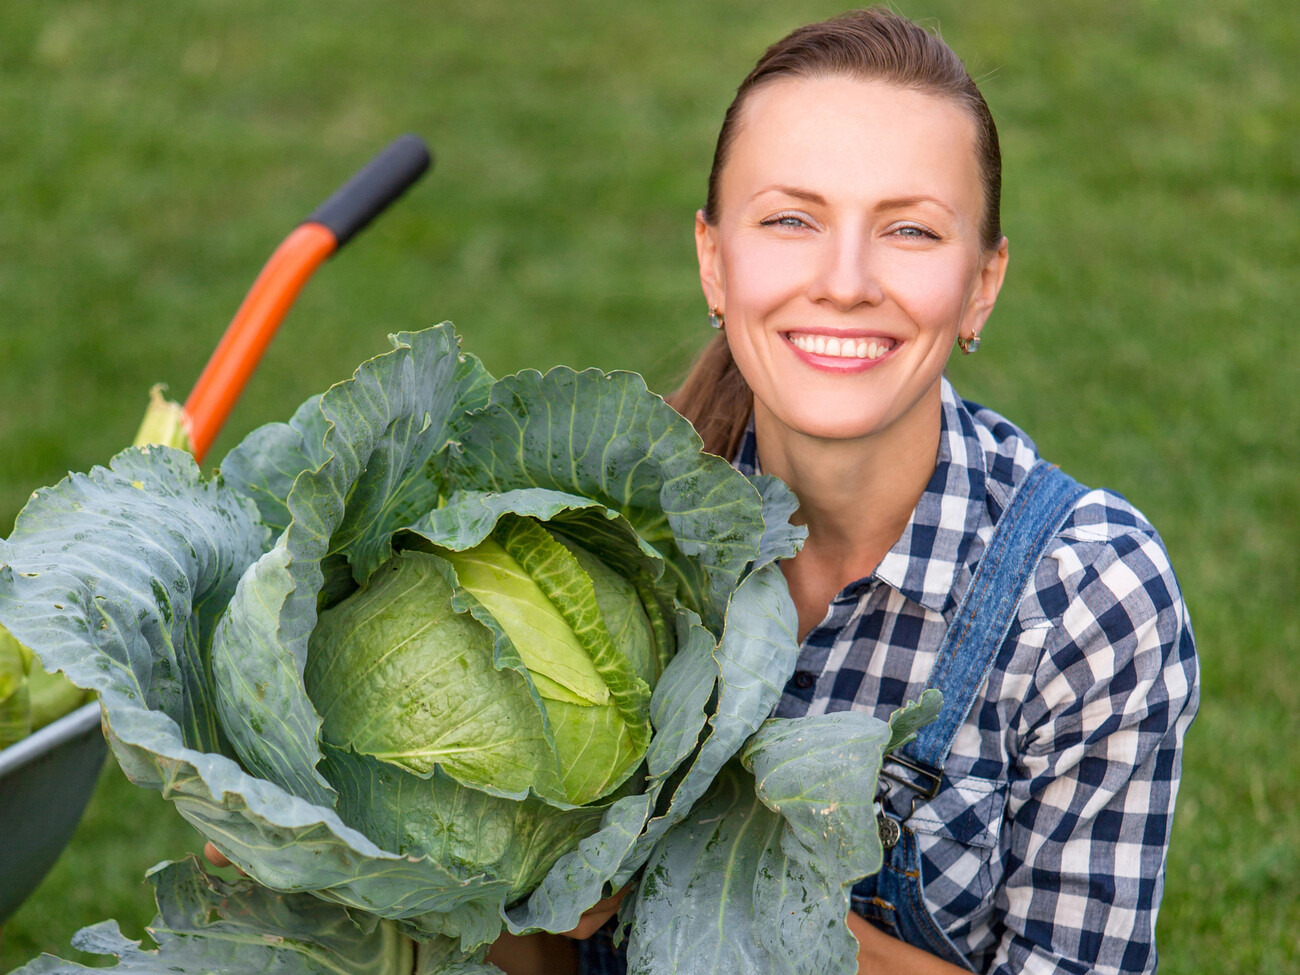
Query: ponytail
x,y
716,399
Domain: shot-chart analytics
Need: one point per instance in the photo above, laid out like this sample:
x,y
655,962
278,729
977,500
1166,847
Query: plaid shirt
x,y
1046,850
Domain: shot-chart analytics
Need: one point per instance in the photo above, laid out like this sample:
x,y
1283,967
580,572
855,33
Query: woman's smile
x,y
838,351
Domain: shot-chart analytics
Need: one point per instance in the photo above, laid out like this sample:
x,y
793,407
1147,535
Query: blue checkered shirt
x,y
1047,851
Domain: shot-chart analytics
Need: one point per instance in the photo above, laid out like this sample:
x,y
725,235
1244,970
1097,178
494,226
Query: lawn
x,y
154,153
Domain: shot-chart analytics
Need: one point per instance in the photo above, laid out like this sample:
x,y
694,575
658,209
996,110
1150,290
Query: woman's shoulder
x,y
1106,571
1100,516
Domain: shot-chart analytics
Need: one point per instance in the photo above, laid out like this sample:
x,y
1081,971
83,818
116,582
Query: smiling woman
x,y
850,239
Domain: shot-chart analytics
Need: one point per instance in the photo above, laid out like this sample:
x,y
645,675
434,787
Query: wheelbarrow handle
x,y
377,184
330,226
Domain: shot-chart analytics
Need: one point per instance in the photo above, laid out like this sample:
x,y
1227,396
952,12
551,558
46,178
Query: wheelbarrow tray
x,y
52,772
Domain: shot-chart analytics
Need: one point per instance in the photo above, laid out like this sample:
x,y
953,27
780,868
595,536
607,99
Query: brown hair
x,y
875,44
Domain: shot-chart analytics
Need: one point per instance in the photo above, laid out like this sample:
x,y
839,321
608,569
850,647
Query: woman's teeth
x,y
845,348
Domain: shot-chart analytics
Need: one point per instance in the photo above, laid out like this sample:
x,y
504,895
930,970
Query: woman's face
x,y
846,255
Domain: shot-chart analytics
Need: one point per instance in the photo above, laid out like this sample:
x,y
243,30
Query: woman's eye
x,y
785,220
917,233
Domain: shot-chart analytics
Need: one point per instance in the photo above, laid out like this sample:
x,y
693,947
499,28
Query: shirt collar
x,y
923,564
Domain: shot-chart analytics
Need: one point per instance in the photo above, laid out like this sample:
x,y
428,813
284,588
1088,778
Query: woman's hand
x,y
594,917
552,954
878,952
215,856
218,859
534,954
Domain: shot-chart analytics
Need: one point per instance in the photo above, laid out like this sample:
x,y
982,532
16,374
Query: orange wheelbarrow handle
x,y
333,224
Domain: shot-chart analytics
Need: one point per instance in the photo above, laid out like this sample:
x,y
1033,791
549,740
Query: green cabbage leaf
x,y
757,877
206,924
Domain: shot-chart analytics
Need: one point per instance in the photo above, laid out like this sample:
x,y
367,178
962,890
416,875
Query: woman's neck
x,y
855,497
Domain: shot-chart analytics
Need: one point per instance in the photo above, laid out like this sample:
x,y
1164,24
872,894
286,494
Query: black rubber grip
x,y
374,186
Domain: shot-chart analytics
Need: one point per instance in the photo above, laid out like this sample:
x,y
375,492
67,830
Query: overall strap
x,y
984,616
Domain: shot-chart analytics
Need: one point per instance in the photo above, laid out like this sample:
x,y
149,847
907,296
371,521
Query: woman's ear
x,y
712,279
985,296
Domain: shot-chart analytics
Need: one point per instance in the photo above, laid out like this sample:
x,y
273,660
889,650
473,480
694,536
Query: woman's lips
x,y
840,353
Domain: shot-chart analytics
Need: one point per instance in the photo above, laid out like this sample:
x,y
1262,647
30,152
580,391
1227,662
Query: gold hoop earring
x,y
716,318
968,345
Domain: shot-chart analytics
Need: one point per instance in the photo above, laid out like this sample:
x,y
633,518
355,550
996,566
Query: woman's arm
x,y
880,954
534,954
1096,762
552,954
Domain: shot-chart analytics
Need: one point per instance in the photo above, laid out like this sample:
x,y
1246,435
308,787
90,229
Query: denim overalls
x,y
892,898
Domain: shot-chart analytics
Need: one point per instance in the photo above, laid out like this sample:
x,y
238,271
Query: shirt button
x,y
804,680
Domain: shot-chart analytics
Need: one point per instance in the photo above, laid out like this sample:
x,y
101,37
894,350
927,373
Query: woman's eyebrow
x,y
795,191
891,203
903,202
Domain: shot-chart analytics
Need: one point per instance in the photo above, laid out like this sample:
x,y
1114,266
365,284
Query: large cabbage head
x,y
407,669
451,650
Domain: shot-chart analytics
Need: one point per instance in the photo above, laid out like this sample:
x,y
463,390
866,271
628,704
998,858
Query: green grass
x,y
154,154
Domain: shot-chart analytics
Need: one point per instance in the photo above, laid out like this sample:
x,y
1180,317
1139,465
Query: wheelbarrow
x,y
47,778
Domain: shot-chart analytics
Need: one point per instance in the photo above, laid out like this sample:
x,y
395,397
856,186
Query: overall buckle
x,y
925,785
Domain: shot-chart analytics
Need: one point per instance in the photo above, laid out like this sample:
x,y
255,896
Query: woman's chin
x,y
830,424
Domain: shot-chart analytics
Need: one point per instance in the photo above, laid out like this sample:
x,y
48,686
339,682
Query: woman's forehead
x,y
838,135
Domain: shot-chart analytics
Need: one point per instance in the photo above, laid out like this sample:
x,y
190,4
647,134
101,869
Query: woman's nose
x,y
848,272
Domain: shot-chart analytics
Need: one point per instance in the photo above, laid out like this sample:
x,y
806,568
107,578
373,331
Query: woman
x,y
851,237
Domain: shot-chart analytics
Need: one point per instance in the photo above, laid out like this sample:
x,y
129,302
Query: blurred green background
x,y
153,153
